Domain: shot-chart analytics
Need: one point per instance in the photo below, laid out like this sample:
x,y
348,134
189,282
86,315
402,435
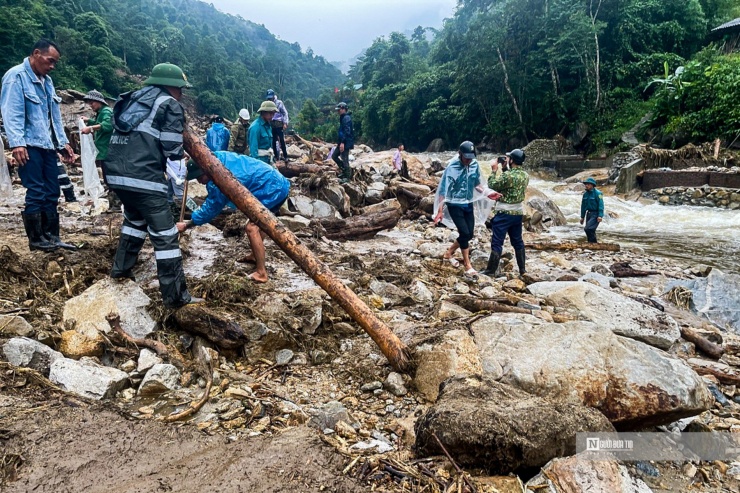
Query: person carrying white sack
x,y
463,199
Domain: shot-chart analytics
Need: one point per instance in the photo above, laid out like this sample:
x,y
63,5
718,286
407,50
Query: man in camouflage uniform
x,y
509,211
239,142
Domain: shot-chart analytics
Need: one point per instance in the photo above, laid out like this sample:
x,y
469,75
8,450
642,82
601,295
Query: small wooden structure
x,y
730,34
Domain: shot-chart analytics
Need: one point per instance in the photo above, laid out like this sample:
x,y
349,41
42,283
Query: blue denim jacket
x,y
25,101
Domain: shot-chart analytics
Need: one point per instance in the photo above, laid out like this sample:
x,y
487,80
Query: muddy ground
x,y
52,441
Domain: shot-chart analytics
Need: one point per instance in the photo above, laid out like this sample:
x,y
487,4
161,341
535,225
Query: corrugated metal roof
x,y
726,25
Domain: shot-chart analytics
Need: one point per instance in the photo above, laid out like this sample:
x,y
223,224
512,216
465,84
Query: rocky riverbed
x,y
508,369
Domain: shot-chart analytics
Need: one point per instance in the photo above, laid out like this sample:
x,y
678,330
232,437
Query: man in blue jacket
x,y
262,180
592,209
33,124
217,137
346,142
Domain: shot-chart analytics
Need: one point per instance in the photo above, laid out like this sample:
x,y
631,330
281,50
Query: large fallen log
x,y
294,168
478,305
199,320
361,227
389,344
724,373
702,343
606,247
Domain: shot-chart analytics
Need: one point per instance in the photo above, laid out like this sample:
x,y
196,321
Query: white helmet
x,y
244,114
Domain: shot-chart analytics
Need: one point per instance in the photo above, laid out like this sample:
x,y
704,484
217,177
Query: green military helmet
x,y
590,181
167,74
268,107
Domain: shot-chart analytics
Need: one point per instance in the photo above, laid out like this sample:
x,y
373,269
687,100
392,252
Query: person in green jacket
x,y
238,142
592,209
260,133
101,126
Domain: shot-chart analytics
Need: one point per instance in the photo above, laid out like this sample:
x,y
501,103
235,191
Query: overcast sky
x,y
339,29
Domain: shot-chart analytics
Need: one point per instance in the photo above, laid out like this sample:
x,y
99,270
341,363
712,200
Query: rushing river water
x,y
697,235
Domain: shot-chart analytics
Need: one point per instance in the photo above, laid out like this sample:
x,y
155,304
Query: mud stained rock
x,y
62,455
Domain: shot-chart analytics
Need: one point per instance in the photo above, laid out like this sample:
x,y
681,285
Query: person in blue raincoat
x,y
217,137
592,209
262,180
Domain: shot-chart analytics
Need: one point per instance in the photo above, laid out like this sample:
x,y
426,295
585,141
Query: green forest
x,y
110,45
500,72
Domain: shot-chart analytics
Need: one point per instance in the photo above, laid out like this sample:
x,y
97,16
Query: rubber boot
x,y
50,228
520,258
492,268
34,231
69,194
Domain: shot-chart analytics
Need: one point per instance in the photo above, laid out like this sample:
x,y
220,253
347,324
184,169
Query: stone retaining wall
x,y
703,196
660,179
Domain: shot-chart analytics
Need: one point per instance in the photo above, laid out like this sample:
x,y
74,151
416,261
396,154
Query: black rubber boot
x,y
492,267
69,194
50,227
34,231
520,258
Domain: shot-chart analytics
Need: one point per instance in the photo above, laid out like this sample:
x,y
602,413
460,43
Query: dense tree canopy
x,y
230,61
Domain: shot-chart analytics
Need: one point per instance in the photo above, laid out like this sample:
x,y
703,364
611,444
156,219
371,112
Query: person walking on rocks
x,y
217,137
260,133
147,130
101,126
509,211
239,141
35,132
399,163
345,143
457,193
592,209
279,124
262,180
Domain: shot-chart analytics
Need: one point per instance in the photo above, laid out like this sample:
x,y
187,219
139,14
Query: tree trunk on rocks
x,y
623,269
724,373
362,227
605,247
478,305
292,169
199,320
390,345
705,345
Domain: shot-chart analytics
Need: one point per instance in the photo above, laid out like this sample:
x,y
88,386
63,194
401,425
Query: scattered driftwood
x,y
361,227
199,320
724,373
623,269
114,320
206,359
605,247
478,305
700,341
295,168
408,199
390,345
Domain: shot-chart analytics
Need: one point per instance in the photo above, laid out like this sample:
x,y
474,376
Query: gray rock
x,y
127,299
436,145
295,223
455,355
433,250
87,379
14,325
337,197
355,193
487,424
328,415
608,309
373,196
372,386
147,359
421,293
391,294
601,280
631,383
302,205
395,384
283,357
583,474
322,209
602,269
714,297
27,353
160,378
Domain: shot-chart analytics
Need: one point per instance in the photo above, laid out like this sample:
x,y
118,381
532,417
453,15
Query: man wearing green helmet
x,y
592,209
147,130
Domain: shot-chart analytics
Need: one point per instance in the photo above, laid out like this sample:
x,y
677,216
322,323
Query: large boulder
x,y
488,424
27,353
87,379
550,214
631,383
579,474
437,145
87,311
611,310
454,355
715,297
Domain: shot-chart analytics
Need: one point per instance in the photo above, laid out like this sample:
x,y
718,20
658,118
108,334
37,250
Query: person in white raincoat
x,y
461,191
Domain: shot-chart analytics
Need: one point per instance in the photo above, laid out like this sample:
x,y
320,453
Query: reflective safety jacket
x,y
147,129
